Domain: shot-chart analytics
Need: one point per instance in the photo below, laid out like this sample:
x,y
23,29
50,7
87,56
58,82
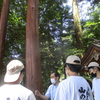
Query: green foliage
x,y
1,2
91,28
56,35
91,31
53,19
15,35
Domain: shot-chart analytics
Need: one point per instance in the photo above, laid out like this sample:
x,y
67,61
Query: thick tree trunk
x,y
33,68
3,26
77,25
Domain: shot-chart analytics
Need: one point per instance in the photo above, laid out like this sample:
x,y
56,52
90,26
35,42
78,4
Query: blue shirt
x,y
51,91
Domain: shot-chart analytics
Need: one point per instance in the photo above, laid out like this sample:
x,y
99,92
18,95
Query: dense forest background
x,y
57,34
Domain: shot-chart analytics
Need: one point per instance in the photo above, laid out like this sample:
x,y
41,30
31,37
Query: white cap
x,y
93,64
72,59
13,70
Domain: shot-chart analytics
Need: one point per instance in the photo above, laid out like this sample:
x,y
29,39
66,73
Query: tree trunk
x,y
3,26
33,68
77,25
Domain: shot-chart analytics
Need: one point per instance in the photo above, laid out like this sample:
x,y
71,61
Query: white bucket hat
x,y
72,59
13,70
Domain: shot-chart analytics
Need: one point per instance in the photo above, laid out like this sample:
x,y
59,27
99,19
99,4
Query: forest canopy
x,y
57,35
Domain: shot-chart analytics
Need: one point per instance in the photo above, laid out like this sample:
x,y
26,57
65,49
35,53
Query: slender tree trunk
x,y
77,25
33,68
3,26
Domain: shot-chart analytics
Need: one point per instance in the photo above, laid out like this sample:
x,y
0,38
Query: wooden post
x,y
3,26
33,68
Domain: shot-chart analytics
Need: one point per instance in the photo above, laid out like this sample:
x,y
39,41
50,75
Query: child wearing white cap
x,y
94,70
12,89
74,87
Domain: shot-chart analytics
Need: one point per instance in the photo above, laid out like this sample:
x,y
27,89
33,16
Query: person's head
x,y
93,68
14,72
54,77
72,65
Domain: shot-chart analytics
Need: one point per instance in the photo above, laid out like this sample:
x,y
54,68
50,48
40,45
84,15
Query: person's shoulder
x,y
82,79
25,89
3,86
94,79
64,81
50,86
27,92
69,78
76,78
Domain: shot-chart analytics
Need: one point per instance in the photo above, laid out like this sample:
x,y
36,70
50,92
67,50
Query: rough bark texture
x,y
3,26
77,25
33,68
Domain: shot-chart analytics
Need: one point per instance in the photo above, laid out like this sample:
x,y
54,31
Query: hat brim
x,y
11,78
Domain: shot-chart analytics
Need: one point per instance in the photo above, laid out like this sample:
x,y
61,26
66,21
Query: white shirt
x,y
96,88
51,91
74,88
15,92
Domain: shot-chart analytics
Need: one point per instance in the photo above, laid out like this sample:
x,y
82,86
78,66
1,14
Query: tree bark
x,y
33,68
77,25
3,26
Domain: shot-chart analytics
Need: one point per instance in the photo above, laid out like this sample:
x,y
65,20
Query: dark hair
x,y
93,67
22,70
98,68
75,68
56,74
